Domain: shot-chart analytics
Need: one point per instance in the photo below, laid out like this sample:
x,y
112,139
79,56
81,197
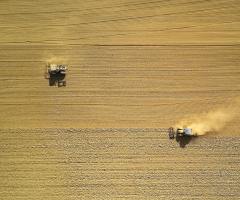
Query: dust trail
x,y
57,60
213,121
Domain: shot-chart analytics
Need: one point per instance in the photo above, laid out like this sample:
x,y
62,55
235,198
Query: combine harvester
x,y
56,74
181,132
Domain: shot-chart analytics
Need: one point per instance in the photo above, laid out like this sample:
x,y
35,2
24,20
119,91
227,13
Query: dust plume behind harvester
x,y
56,74
215,121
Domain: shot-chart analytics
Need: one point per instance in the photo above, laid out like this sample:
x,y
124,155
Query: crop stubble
x,y
103,164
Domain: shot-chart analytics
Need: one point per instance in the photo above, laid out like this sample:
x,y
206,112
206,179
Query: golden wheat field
x,y
134,67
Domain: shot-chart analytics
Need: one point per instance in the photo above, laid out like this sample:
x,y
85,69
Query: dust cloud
x,y
213,121
56,60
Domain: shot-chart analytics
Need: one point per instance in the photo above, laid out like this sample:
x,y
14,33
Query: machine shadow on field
x,y
56,79
184,140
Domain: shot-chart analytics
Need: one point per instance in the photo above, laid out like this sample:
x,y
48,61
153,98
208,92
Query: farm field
x,y
117,86
107,164
132,65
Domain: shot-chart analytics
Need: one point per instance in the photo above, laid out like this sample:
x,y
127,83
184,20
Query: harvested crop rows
x,y
71,163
